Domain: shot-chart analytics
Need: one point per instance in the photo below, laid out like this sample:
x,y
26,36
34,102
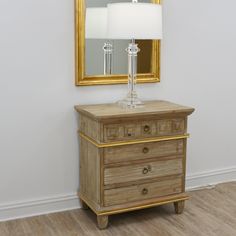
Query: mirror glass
x,y
94,53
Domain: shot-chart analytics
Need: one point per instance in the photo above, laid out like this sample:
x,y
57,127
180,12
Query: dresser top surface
x,y
112,110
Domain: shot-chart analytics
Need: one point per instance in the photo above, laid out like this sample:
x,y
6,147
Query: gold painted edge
x,y
141,207
101,80
122,210
87,202
129,142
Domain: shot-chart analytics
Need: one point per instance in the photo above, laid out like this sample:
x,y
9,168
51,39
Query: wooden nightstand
x,y
132,159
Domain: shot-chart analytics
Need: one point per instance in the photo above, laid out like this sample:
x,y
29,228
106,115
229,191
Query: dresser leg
x,y
102,222
179,207
83,205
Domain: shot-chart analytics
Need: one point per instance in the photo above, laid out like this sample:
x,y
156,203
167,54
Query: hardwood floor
x,y
209,212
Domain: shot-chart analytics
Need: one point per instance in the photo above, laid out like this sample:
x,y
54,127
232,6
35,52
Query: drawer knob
x,y
146,169
145,150
145,191
146,128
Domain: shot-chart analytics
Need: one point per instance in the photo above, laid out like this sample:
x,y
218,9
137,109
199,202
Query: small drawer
x,y
129,131
143,151
142,191
128,173
143,129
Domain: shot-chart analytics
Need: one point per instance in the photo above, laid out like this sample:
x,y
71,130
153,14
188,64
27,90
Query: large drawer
x,y
134,172
143,151
142,191
144,129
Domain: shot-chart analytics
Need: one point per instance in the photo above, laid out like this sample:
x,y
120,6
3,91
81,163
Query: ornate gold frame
x,y
82,80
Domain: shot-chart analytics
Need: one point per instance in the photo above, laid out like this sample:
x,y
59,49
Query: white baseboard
x,y
18,210
37,207
212,177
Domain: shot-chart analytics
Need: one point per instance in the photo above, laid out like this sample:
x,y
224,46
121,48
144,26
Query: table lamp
x,y
133,21
96,28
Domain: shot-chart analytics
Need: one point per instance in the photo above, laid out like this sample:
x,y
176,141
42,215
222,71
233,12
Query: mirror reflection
x,y
109,57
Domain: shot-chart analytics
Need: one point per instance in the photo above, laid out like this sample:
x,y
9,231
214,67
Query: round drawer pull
x,y
145,191
145,170
145,150
146,128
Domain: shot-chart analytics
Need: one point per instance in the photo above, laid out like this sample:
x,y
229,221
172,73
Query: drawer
x,y
134,172
143,129
143,151
129,131
142,191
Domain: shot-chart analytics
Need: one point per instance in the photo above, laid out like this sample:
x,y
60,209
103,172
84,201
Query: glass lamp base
x,y
131,102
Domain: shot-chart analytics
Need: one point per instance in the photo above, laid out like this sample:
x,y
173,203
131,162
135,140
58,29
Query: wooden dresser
x,y
132,159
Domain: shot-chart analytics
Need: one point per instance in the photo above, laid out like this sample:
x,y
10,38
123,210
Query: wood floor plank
x,y
3,229
209,212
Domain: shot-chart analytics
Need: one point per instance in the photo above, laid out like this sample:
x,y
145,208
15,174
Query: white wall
x,y
38,140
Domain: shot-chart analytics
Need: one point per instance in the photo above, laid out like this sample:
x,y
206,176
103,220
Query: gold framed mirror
x,y
88,60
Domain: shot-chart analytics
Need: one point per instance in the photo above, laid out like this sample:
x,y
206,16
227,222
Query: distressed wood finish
x,y
102,222
145,129
142,191
145,151
90,127
150,108
133,159
83,204
90,181
134,205
146,170
179,207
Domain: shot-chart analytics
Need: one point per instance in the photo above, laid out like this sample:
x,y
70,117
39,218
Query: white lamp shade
x,y
96,23
134,21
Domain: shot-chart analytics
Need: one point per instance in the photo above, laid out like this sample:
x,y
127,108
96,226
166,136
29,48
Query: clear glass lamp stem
x,y
132,101
108,53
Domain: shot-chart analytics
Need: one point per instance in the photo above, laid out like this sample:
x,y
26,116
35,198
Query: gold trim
x,y
122,210
82,80
140,207
129,142
87,203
